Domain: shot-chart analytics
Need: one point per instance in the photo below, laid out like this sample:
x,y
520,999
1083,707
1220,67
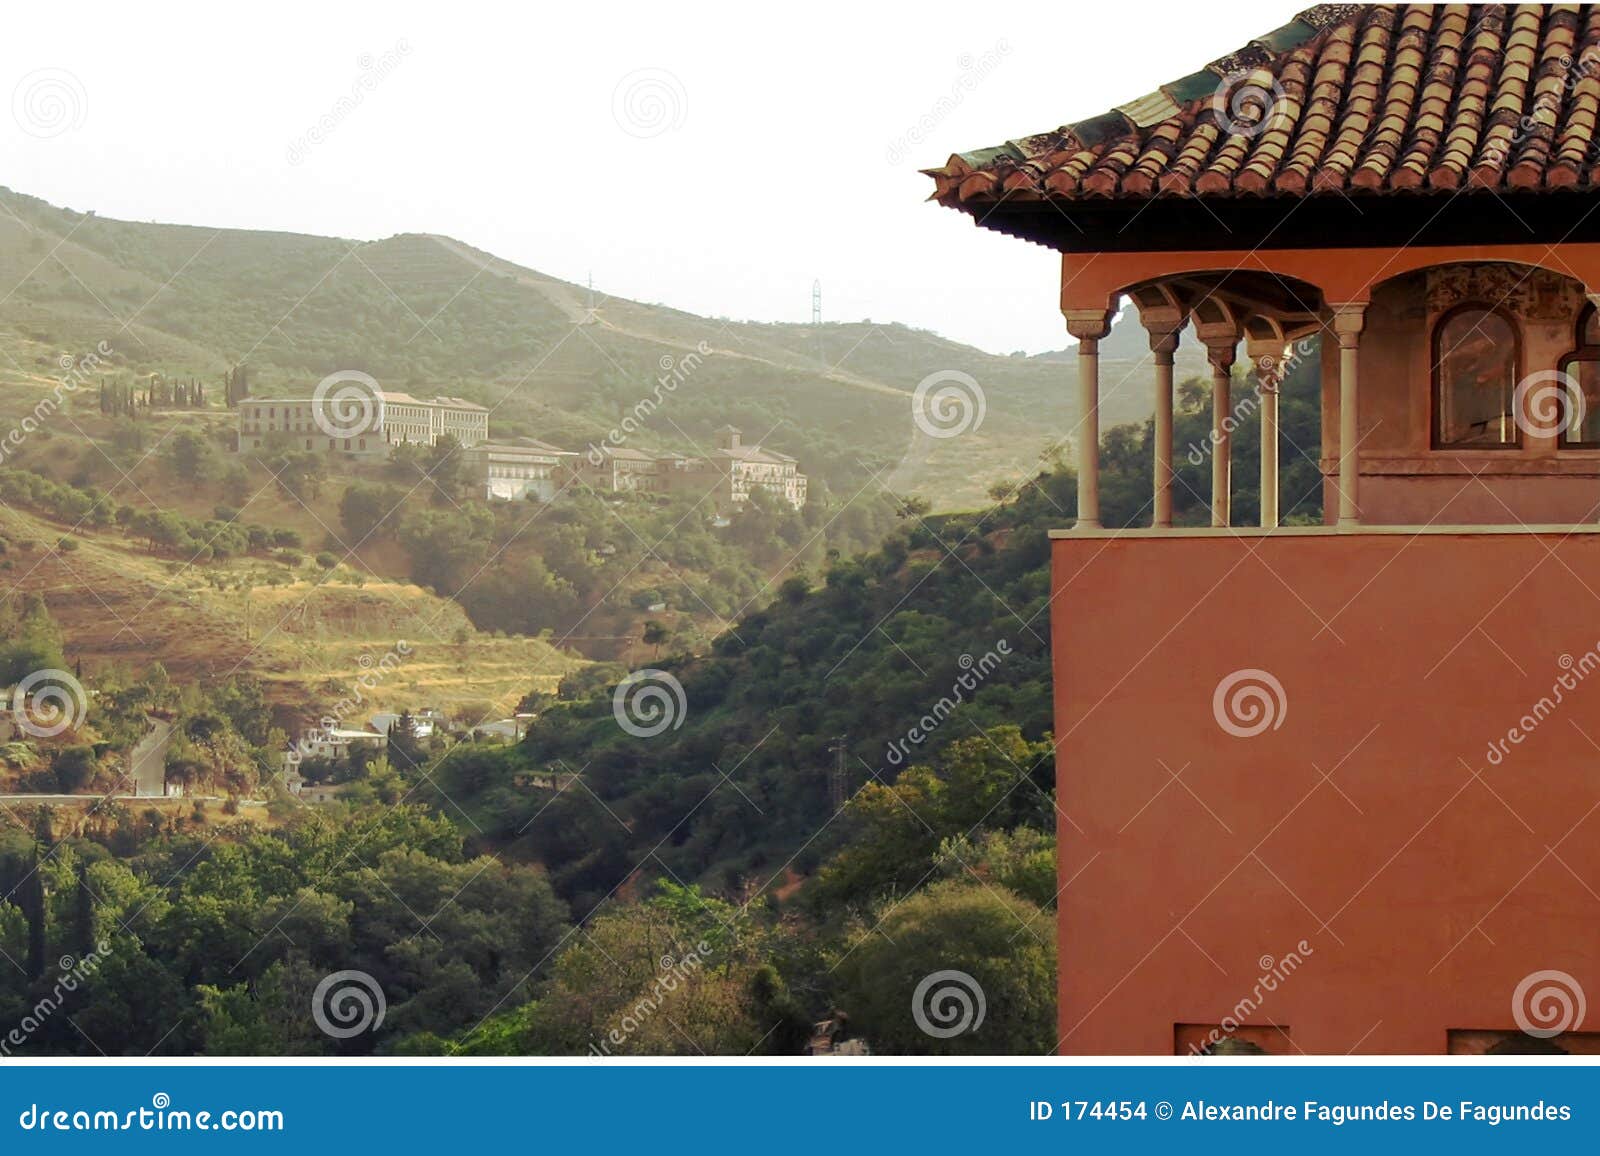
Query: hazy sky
x,y
713,157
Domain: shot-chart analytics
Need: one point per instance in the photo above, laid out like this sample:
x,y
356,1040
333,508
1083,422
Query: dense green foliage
x,y
1006,944
214,941
724,901
866,656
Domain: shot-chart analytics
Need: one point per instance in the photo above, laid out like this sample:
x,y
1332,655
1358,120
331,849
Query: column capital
x,y
1349,319
1162,321
1088,324
1269,357
1221,339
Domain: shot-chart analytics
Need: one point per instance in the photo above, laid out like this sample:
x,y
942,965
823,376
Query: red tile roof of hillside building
x,y
1384,98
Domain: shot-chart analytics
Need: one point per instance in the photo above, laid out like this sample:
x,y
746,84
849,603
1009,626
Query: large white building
x,y
401,418
520,468
725,476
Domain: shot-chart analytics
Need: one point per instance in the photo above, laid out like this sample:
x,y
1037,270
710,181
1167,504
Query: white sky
x,y
497,126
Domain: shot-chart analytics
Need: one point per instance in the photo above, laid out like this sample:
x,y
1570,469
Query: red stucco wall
x,y
1423,895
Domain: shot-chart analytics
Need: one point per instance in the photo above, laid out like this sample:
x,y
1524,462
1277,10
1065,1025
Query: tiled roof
x,y
626,454
519,445
535,443
753,454
391,395
1346,98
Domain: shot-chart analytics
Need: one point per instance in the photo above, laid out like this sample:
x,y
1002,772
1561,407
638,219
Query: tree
x,y
299,473
30,640
364,509
655,633
405,749
191,457
75,768
1003,948
678,974
897,828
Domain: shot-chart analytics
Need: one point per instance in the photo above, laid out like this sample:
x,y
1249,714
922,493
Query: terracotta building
x,y
1337,788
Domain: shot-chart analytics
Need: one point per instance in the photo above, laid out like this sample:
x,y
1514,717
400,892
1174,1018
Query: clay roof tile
x,y
1366,99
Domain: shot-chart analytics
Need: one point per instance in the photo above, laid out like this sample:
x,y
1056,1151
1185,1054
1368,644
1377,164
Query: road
x,y
147,765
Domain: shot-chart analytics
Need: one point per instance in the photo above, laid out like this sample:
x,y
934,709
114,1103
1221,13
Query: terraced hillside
x,y
309,637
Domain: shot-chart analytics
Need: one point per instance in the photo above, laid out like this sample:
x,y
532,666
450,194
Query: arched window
x,y
1475,359
1579,423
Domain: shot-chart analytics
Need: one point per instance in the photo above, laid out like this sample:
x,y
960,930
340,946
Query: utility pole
x,y
816,318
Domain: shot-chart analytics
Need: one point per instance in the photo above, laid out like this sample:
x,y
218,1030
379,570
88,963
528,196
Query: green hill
x,y
866,660
420,311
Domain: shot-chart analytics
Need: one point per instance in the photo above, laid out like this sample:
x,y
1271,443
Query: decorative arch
x,y
1578,423
1476,359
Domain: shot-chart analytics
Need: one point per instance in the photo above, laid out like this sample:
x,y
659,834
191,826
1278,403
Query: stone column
x,y
1271,360
1348,320
1088,326
1222,343
1164,323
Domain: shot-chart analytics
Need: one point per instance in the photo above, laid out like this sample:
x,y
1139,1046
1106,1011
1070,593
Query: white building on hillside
x,y
401,418
520,468
383,723
330,744
725,476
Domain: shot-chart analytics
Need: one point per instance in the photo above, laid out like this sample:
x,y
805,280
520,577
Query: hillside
x,y
419,311
1125,359
307,637
457,878
865,659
